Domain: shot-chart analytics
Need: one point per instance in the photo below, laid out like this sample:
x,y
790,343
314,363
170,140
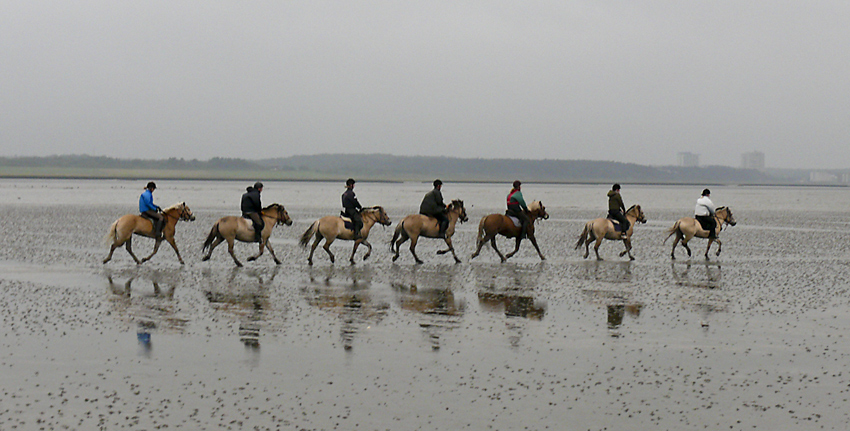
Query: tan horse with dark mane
x,y
688,227
600,228
233,228
500,224
122,230
333,227
418,225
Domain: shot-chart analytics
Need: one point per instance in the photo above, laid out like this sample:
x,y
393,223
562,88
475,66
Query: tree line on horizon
x,y
384,166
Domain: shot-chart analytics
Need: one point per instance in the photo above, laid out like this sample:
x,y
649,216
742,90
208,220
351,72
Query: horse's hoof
x,y
419,262
251,259
239,265
277,262
394,258
310,262
631,258
104,262
205,258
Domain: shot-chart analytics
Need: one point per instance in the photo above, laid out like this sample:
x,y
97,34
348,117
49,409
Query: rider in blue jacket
x,y
151,211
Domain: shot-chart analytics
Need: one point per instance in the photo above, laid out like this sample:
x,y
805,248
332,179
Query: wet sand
x,y
753,339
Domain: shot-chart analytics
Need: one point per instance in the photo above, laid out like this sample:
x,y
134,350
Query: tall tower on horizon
x,y
753,160
687,159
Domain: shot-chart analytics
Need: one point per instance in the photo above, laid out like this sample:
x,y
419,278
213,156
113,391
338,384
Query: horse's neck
x,y
172,218
266,214
369,219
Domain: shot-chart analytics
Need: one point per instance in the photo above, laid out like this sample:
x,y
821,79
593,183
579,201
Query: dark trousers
x,y
618,215
157,219
356,221
442,220
708,223
523,219
258,223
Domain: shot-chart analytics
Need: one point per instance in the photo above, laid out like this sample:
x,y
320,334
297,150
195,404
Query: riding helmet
x,y
151,185
437,182
349,182
706,192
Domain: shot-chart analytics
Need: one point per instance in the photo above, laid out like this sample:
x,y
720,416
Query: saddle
x,y
703,223
516,221
617,226
346,221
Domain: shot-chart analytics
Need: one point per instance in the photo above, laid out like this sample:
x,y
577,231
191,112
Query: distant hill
x,y
383,167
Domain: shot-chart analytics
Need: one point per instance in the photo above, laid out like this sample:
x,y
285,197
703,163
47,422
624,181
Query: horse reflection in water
x,y
509,290
704,289
438,307
352,301
245,295
147,311
618,304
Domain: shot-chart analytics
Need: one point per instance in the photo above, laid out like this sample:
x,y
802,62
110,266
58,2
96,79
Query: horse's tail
x,y
305,237
396,234
582,237
480,232
672,230
211,237
111,234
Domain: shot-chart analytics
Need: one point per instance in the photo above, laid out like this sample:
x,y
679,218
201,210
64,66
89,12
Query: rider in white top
x,y
704,212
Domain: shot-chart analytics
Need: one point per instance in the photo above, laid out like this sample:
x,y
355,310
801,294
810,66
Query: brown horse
x,y
600,228
333,227
232,228
688,227
122,230
500,224
417,225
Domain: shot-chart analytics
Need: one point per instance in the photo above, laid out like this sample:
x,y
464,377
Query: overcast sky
x,y
629,81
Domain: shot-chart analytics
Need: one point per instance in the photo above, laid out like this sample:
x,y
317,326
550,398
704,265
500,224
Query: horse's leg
x,y
452,249
628,243
174,246
129,246
313,249
493,243
230,250
413,241
516,249
479,246
354,251
368,253
710,241
685,240
534,243
588,239
675,243
217,241
156,244
719,246
596,246
111,250
261,248
271,251
404,237
327,248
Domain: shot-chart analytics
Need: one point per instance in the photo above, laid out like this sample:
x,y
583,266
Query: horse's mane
x,y
722,208
374,208
457,203
631,208
274,205
175,206
534,205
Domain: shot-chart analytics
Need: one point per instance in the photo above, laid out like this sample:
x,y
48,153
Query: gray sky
x,y
630,81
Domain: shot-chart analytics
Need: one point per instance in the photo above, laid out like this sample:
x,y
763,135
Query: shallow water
x,y
752,339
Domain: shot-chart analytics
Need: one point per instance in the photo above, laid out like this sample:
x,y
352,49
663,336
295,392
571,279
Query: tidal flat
x,y
755,338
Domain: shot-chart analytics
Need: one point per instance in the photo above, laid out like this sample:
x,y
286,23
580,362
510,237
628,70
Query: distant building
x,y
687,159
822,177
754,160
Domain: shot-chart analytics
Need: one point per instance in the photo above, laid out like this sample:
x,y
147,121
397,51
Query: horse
x,y
122,230
500,224
333,227
232,228
418,225
688,227
600,228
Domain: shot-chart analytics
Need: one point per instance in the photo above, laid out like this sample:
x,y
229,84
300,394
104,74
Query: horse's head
x,y
457,207
180,211
277,211
725,214
380,215
637,212
537,209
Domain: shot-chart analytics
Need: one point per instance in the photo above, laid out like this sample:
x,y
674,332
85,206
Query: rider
x,y
351,207
517,207
616,208
251,208
151,211
704,213
432,205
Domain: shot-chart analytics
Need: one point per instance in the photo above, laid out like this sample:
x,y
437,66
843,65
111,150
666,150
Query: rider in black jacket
x,y
251,208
